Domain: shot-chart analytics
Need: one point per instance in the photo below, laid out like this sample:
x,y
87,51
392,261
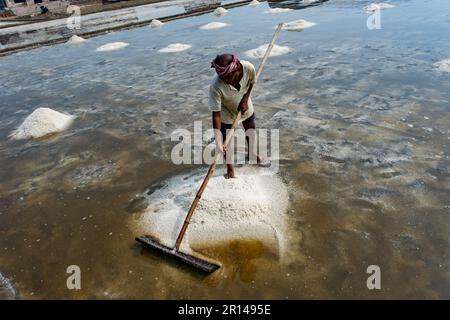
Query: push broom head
x,y
195,262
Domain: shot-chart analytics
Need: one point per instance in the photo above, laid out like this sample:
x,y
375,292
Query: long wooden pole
x,y
230,134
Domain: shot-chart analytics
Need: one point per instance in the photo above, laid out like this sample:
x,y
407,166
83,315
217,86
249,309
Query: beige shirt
x,y
225,98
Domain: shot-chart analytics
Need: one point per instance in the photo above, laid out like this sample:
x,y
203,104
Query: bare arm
x,y
243,105
217,120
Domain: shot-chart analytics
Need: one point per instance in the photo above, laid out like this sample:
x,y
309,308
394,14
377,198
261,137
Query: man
x,y
230,92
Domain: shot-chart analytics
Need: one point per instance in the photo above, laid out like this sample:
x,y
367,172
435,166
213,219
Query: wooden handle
x,y
228,138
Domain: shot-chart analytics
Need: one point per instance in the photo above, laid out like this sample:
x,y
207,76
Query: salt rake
x,y
204,265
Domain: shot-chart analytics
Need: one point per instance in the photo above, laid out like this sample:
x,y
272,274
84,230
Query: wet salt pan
x,y
278,10
443,65
112,46
220,11
75,40
259,52
213,25
378,6
175,47
41,122
155,23
298,25
251,207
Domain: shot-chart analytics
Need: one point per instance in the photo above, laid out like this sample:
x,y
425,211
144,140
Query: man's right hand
x,y
221,148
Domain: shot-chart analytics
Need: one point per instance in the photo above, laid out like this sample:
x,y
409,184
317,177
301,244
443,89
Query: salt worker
x,y
229,93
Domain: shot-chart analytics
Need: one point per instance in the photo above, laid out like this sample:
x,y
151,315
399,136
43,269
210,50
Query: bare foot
x,y
264,162
230,173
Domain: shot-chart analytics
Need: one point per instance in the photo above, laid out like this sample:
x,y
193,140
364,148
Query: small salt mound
x,y
155,23
378,6
75,40
213,25
259,52
112,46
251,207
175,47
278,10
220,11
298,25
41,122
443,65
254,3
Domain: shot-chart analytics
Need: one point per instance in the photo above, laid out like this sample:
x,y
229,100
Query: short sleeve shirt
x,y
226,98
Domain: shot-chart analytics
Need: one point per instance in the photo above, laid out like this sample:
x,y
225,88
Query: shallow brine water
x,y
364,152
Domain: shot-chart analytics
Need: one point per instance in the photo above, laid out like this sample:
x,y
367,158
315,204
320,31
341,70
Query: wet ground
x,y
364,147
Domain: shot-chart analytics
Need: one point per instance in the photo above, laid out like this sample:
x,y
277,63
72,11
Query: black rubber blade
x,y
195,262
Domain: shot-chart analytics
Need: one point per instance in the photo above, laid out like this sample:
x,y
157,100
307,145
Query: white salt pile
x,y
378,6
213,25
254,3
75,39
251,207
155,23
278,10
41,122
175,47
298,25
259,52
112,46
220,11
443,65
